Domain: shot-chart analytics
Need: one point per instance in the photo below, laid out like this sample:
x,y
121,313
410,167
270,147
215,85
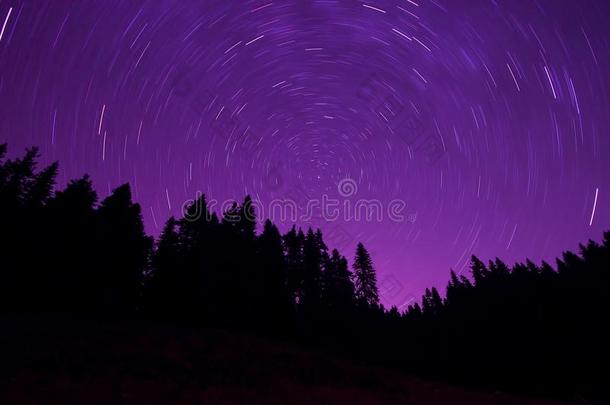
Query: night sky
x,y
489,119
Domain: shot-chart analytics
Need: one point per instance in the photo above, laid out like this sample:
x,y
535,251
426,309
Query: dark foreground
x,y
99,363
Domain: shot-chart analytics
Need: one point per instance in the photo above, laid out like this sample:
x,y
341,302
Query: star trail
x,y
488,118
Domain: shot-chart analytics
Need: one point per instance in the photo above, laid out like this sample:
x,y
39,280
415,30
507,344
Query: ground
x,y
74,360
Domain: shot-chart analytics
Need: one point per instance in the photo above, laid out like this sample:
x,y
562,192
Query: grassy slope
x,y
76,361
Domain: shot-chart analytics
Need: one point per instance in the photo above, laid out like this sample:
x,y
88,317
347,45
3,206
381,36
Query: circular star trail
x,y
487,118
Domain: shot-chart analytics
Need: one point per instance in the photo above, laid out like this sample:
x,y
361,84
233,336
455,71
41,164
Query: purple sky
x,y
489,118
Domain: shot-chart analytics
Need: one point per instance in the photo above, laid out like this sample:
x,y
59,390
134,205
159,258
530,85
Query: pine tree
x,y
17,178
338,288
247,219
270,285
196,224
313,250
24,230
455,289
293,250
166,286
72,244
365,279
41,188
124,251
479,271
202,246
414,312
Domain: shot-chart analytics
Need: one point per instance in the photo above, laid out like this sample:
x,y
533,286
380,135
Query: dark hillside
x,y
78,361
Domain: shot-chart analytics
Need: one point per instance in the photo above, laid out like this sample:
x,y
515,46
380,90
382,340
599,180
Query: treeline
x,y
219,270
528,327
62,250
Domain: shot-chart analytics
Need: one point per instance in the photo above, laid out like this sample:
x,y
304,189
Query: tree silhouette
x,y
338,288
201,244
432,304
166,283
273,295
72,245
24,228
293,247
315,254
124,251
365,279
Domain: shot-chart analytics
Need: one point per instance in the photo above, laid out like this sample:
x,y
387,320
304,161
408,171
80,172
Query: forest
x,y
539,329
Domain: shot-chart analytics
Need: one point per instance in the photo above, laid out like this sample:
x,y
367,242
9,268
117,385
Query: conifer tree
x,y
124,251
293,250
167,285
313,250
338,288
272,296
365,279
72,245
